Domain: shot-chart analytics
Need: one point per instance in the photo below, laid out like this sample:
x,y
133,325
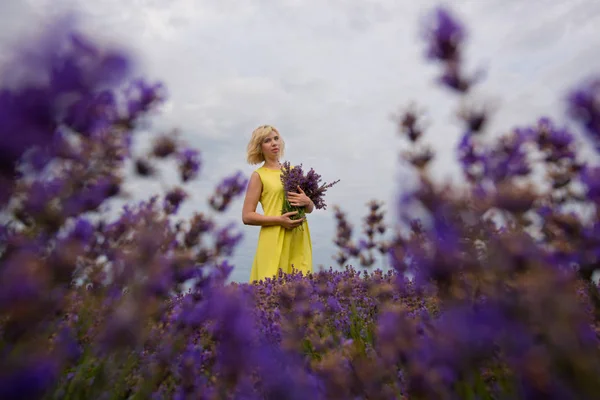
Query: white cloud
x,y
330,74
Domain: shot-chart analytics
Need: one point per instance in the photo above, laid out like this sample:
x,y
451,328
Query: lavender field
x,y
492,291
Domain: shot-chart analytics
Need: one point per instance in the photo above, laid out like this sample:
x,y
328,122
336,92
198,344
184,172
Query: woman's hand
x,y
299,199
289,223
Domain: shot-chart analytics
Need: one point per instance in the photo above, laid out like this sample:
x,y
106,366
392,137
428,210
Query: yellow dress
x,y
279,248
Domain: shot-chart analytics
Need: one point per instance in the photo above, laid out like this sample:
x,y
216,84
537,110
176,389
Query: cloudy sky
x,y
329,74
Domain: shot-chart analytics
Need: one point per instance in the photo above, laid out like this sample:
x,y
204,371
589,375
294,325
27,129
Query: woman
x,y
280,245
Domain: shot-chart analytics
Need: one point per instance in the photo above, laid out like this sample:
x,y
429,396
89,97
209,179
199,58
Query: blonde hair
x,y
254,153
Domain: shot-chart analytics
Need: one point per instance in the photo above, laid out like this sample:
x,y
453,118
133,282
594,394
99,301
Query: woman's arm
x,y
249,214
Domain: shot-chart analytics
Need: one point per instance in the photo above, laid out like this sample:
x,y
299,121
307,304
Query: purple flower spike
x,y
590,176
173,200
228,189
584,107
91,115
445,35
189,164
142,96
83,230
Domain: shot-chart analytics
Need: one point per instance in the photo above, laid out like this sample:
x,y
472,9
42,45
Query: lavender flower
x,y
173,200
199,224
164,146
590,176
584,107
291,177
508,159
559,142
315,191
189,164
90,197
91,115
226,240
228,189
409,125
141,96
445,37
294,177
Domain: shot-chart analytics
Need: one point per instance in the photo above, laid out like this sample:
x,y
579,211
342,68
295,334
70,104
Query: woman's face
x,y
270,145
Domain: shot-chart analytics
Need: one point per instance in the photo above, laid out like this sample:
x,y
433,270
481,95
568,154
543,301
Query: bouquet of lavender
x,y
293,177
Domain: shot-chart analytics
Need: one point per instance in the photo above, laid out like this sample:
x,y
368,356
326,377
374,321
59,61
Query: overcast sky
x,y
329,74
